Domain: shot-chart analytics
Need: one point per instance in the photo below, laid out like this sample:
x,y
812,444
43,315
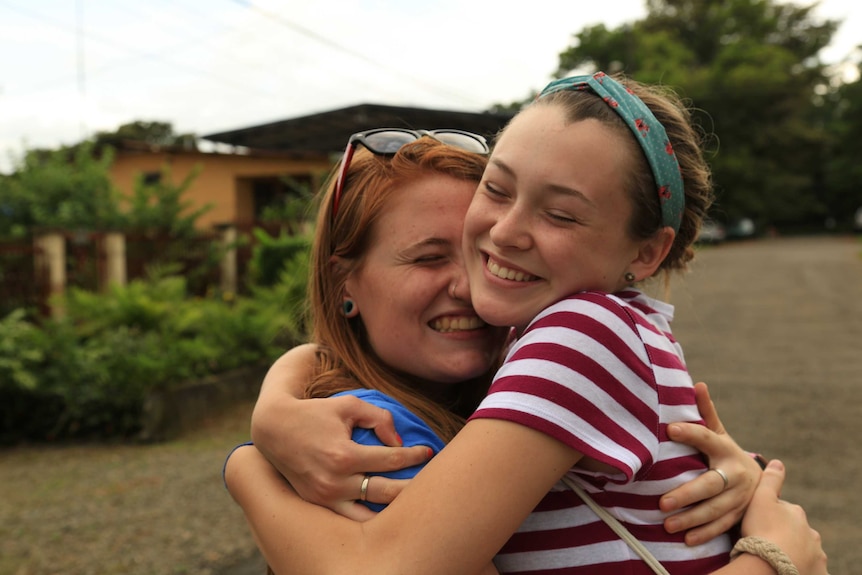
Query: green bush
x,y
88,374
272,254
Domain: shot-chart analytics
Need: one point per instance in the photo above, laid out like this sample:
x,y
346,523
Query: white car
x,y
711,232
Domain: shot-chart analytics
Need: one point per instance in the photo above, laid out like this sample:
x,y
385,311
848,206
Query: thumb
x,y
772,480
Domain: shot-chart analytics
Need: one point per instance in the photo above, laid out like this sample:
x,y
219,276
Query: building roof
x,y
328,131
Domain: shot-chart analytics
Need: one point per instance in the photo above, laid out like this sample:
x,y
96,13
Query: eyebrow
x,y
557,189
425,243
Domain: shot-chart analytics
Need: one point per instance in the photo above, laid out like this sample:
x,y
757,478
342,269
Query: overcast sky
x,y
71,67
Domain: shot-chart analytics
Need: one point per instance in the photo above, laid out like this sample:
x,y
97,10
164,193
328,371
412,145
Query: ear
x,y
339,266
652,253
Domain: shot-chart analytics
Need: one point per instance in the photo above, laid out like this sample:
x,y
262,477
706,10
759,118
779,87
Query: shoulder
x,y
582,310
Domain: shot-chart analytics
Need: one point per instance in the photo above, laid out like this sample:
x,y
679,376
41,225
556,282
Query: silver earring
x,y
629,277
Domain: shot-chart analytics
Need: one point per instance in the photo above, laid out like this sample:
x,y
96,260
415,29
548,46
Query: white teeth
x,y
447,324
508,274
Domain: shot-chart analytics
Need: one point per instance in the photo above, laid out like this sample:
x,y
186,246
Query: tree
x,y
842,189
153,133
60,190
752,72
71,189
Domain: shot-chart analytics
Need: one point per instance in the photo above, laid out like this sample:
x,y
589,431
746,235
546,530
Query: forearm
x,y
450,503
297,537
269,503
283,384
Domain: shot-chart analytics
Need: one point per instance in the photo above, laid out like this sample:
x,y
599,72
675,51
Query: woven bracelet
x,y
768,551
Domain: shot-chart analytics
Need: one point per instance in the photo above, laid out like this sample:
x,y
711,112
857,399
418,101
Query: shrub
x,y
89,373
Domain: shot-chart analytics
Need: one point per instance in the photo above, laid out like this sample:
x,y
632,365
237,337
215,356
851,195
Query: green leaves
x,y
752,72
91,371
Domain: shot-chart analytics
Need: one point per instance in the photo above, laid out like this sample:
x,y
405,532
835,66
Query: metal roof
x,y
328,131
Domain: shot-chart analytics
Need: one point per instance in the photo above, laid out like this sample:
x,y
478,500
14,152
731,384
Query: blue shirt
x,y
410,427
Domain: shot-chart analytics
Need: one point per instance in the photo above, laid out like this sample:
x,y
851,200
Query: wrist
x,y
768,551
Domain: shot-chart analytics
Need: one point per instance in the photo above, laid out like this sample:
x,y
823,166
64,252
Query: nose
x,y
511,229
459,287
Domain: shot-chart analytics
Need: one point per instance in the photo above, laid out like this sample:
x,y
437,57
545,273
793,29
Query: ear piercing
x,y
348,307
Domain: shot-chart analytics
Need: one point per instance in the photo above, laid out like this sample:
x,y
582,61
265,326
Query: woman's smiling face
x,y
550,217
402,286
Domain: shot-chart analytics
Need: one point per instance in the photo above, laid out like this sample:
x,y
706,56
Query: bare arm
x,y
309,441
477,499
448,504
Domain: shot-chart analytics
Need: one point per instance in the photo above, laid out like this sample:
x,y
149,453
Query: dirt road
x,y
775,328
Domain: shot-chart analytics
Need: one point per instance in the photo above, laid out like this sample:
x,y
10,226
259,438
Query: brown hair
x,y
676,119
345,357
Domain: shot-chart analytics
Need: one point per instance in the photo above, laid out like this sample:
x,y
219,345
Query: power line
x,y
336,46
151,56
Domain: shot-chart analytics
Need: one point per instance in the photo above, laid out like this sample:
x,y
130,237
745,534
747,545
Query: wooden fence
x,y
31,273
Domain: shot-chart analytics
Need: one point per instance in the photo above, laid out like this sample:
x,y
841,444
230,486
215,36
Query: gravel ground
x,y
773,326
149,509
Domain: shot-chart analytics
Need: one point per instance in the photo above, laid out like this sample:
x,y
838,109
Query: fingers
x,y
706,531
371,458
713,505
359,413
383,489
354,510
695,435
706,407
378,489
771,481
346,466
703,488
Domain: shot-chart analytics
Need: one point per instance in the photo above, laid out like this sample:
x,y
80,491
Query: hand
x,y
784,524
715,509
309,442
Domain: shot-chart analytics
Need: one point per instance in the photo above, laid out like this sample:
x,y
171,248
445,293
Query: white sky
x,y
71,67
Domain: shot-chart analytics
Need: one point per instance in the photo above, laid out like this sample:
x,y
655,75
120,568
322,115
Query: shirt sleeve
x,y
581,374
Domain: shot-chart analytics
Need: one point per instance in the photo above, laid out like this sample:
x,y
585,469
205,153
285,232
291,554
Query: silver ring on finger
x,y
363,489
723,476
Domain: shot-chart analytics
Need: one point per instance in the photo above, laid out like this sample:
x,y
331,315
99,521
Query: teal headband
x,y
649,132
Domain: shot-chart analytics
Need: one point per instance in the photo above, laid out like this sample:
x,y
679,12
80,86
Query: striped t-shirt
x,y
603,374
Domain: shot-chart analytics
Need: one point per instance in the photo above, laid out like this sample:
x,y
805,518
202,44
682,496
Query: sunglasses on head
x,y
387,142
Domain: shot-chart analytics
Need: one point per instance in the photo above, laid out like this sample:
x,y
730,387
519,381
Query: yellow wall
x,y
224,180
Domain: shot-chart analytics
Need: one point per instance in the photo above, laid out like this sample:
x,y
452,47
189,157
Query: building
x,y
259,165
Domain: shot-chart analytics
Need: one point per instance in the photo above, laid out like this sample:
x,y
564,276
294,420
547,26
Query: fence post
x,y
50,261
115,260
228,260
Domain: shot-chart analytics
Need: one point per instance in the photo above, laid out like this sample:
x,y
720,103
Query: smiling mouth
x,y
508,274
460,323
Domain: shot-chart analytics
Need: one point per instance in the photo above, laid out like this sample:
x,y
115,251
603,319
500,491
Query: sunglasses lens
x,y
387,142
464,141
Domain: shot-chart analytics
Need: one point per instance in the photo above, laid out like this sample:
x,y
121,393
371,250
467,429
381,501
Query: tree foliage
x,y
148,132
752,72
71,189
59,190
